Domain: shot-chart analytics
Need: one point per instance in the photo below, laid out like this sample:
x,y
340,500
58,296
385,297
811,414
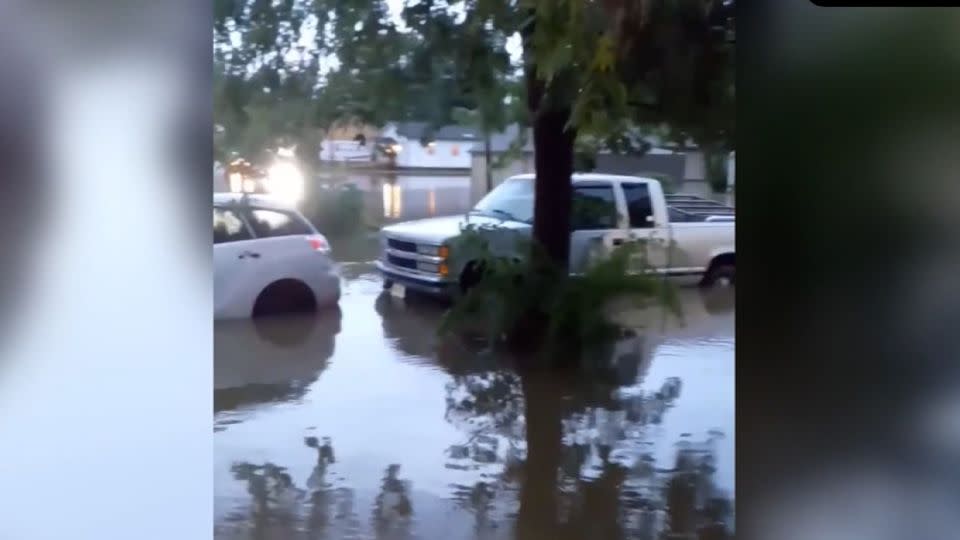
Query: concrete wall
x,y
695,167
478,173
673,165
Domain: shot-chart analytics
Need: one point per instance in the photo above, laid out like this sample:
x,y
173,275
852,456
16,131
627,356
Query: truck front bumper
x,y
430,285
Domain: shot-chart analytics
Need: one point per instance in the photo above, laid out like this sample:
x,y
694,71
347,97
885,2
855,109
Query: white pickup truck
x,y
687,236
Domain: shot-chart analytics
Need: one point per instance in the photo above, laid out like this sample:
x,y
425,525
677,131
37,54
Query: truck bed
x,y
695,209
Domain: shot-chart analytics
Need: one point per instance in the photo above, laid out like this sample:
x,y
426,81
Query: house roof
x,y
418,130
501,142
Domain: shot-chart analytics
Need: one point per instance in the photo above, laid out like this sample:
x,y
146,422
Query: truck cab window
x,y
639,206
594,208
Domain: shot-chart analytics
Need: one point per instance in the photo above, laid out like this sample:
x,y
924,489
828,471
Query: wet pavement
x,y
359,423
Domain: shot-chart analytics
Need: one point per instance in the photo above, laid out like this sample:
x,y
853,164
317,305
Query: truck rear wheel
x,y
720,275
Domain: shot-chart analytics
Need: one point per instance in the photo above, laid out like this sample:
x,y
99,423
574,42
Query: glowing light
x,y
236,182
392,203
286,182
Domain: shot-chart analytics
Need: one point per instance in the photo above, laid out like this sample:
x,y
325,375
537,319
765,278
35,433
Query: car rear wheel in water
x,y
720,275
285,296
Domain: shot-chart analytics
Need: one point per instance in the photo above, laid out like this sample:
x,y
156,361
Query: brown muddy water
x,y
357,423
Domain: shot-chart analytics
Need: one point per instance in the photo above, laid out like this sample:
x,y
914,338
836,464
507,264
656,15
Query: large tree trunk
x,y
553,159
553,162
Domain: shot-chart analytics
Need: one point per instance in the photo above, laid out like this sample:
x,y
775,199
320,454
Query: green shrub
x,y
335,210
531,303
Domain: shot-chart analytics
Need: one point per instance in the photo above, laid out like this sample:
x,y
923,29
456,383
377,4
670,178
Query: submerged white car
x,y
268,259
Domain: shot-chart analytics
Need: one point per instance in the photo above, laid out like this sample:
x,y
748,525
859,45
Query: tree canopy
x,y
595,70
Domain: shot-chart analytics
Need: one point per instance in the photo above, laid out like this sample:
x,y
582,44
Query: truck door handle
x,y
250,254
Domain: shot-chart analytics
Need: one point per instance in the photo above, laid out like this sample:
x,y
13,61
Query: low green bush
x,y
530,303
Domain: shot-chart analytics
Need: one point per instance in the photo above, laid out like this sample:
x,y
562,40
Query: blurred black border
x,y
829,369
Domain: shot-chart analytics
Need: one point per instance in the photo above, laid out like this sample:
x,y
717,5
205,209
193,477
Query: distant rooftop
x,y
419,130
501,142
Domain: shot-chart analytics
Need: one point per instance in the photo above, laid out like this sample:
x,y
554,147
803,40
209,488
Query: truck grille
x,y
401,245
402,262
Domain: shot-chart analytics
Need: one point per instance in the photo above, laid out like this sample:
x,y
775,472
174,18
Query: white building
x,y
419,147
346,151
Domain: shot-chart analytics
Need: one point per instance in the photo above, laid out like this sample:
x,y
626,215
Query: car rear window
x,y
269,223
228,227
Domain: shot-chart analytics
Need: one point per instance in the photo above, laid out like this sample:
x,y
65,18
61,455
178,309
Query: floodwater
x,y
359,423
392,197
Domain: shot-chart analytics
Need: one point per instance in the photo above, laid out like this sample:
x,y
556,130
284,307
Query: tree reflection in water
x,y
568,458
280,510
275,500
393,510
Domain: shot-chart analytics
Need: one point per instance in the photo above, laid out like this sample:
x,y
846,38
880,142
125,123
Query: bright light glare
x,y
286,181
236,182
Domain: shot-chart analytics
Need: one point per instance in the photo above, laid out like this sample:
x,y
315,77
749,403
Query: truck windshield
x,y
513,199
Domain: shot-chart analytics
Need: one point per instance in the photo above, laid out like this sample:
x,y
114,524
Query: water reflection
x,y
391,197
435,440
392,509
270,360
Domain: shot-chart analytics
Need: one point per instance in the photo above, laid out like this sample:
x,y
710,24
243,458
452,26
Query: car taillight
x,y
319,243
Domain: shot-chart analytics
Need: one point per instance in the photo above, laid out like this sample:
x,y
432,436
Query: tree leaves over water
x,y
617,65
